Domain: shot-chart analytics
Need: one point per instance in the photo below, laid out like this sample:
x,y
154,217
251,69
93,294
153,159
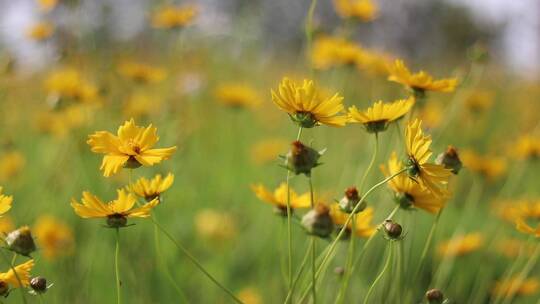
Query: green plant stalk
x,y
12,267
313,247
117,267
523,274
378,278
297,277
371,163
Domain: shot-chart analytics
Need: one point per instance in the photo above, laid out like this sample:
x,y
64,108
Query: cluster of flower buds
x,y
450,160
318,221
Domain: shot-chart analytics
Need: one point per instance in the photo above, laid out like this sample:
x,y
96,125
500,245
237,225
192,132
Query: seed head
x,y
21,241
434,296
318,221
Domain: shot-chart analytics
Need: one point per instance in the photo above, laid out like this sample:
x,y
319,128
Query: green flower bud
x,y
350,200
38,284
318,221
301,158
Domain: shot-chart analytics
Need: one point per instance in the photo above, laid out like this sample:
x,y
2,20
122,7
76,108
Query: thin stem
x,y
195,262
526,270
117,267
378,278
12,266
313,247
297,277
371,163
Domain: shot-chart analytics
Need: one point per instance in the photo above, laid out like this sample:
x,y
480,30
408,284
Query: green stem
x,y
12,267
117,267
378,278
371,163
313,247
348,267
524,273
195,262
297,277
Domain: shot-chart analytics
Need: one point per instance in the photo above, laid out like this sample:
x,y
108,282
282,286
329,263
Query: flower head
x,y
377,117
237,95
68,84
22,271
55,238
331,52
516,286
21,241
141,73
171,17
130,148
5,202
215,224
461,245
116,212
527,147
307,106
489,166
278,197
364,10
151,189
421,81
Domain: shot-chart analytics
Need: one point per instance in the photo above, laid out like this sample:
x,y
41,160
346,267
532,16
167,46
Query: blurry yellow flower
x,y
151,189
140,105
511,248
491,167
524,227
131,148
362,220
374,62
510,210
527,147
479,101
5,202
11,164
250,295
461,245
22,271
365,10
278,198
116,212
47,5
377,117
54,237
68,83
421,81
409,193
237,95
60,122
433,177
141,73
6,225
215,224
432,115
40,31
170,17
268,150
516,286
331,52
306,106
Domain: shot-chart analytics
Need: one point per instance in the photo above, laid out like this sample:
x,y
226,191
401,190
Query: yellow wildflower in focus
x,y
377,117
490,167
307,106
22,271
171,17
409,193
527,147
217,225
419,82
40,31
250,295
151,189
237,95
268,150
131,148
432,115
141,105
331,52
68,83
364,10
141,73
433,177
54,237
461,245
5,202
47,5
362,220
479,101
6,225
516,286
11,164
278,198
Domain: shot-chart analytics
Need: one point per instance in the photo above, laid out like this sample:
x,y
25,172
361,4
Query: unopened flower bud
x,y
21,241
393,230
38,284
116,220
434,296
318,221
350,200
4,288
450,160
301,158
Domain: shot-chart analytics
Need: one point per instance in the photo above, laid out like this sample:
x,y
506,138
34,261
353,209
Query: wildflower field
x,y
180,167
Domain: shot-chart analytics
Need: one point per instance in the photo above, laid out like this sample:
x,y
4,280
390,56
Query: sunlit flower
x,y
421,81
268,150
362,220
490,167
364,10
54,237
237,95
408,193
22,271
278,198
250,295
516,285
40,31
433,177
215,224
11,164
116,212
331,52
5,202
141,73
461,245
377,117
527,147
306,106
68,83
171,17
151,189
131,148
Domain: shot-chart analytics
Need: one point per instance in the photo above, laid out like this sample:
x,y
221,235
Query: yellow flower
x,y
409,193
421,81
68,83
5,202
47,5
523,226
331,52
215,224
279,197
461,245
374,62
306,106
54,237
250,295
116,212
11,164
268,150
433,177
151,189
517,286
362,220
432,115
40,31
491,167
365,10
22,271
237,95
522,208
511,248
170,17
479,101
141,105
141,73
60,122
527,147
131,148
377,117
